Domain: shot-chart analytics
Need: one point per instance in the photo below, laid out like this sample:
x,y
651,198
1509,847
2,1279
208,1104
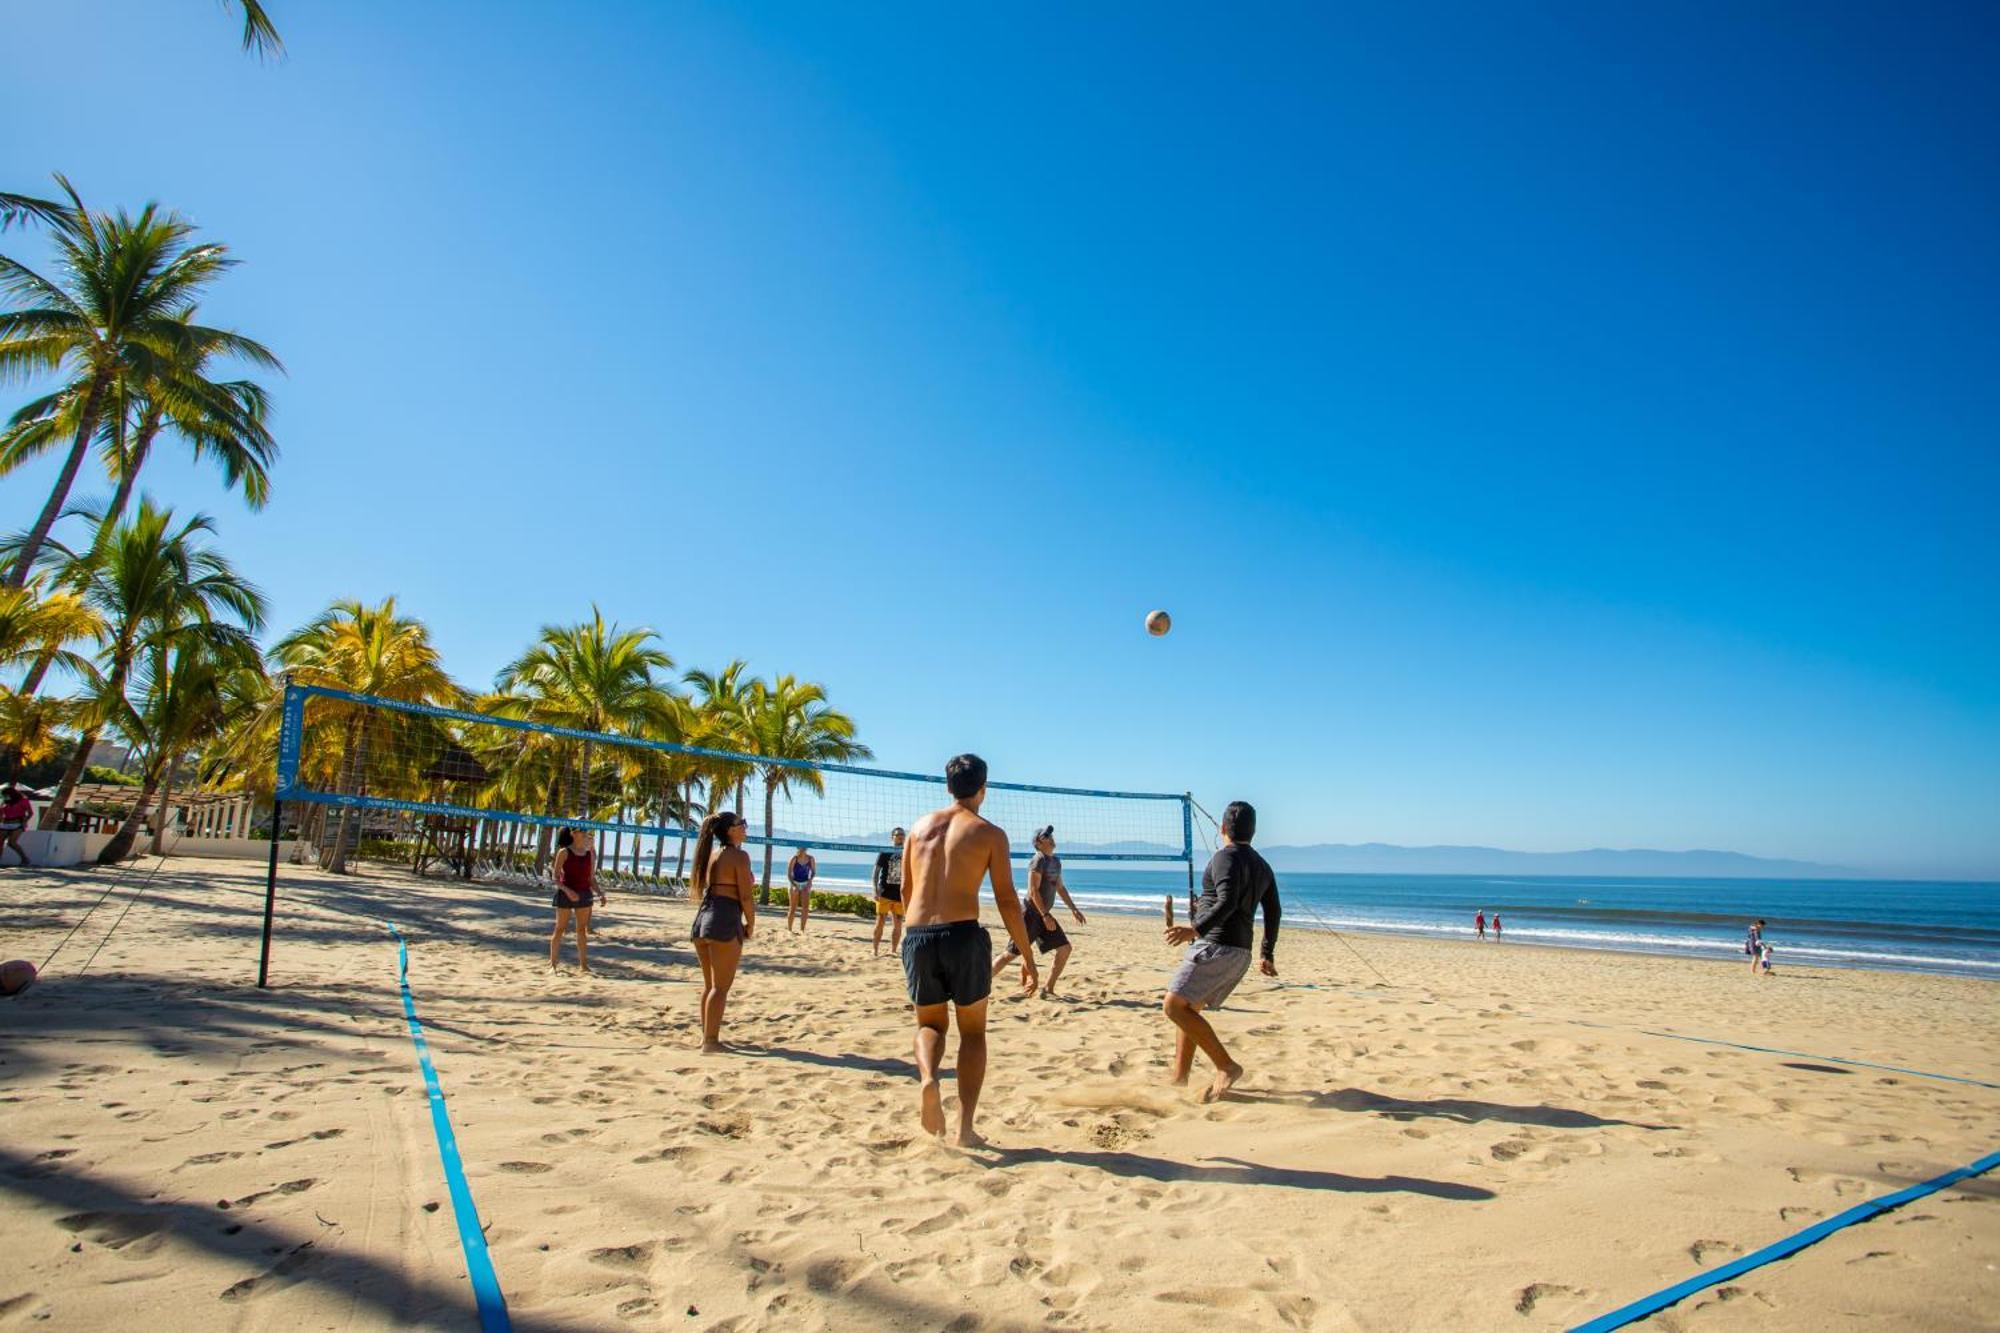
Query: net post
x,y
270,896
291,727
1187,845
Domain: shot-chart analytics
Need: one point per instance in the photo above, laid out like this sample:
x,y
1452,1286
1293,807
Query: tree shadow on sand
x,y
1464,1110
1235,1171
267,1257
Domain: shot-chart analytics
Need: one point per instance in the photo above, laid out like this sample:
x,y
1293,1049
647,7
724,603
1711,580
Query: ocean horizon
x,y
1941,926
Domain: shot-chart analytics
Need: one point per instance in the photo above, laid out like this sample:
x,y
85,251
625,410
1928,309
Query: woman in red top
x,y
575,886
14,817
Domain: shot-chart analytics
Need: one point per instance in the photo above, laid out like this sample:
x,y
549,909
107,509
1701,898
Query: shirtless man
x,y
947,954
1236,885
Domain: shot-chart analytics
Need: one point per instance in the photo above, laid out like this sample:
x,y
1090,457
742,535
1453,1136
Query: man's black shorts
x,y
1043,933
951,962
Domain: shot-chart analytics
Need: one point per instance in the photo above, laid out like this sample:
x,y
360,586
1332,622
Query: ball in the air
x,y
1158,623
16,976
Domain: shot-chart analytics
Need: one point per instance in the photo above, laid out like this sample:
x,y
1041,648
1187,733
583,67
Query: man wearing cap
x,y
889,894
1045,885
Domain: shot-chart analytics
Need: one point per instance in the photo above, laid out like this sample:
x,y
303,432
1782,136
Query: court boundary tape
x,y
1680,1291
471,1236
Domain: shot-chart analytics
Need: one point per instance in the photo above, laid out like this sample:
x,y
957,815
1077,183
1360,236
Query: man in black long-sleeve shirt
x,y
1236,886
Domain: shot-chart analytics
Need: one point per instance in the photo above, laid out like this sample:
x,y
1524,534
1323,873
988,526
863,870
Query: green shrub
x,y
853,904
99,773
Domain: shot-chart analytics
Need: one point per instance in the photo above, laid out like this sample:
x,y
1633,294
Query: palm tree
x,y
719,724
365,650
35,625
119,318
259,33
224,421
30,730
179,705
592,676
151,582
790,719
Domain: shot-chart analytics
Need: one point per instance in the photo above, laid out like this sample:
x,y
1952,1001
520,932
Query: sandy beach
x,y
1481,1137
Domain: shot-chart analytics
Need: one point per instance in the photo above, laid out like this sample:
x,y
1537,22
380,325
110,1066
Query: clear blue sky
x,y
1550,426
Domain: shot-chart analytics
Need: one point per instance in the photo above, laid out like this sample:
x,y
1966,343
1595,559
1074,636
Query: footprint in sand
x,y
636,1255
1535,1293
287,1272
1701,1249
526,1168
114,1230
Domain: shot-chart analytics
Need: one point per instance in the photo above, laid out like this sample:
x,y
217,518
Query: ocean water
x,y
1907,924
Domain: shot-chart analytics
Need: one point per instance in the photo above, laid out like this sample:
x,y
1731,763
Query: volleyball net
x,y
481,793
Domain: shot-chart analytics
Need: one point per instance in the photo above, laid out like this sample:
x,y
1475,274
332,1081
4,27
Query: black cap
x,y
1046,831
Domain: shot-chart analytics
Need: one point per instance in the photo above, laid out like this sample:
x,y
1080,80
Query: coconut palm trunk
x,y
334,859
166,799
121,842
128,472
770,801
38,535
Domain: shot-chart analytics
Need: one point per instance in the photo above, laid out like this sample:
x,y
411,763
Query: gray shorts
x,y
1209,972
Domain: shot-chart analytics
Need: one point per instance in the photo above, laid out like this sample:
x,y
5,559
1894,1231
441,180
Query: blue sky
x,y
1550,426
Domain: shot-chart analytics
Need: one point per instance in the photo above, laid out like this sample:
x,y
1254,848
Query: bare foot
x,y
711,1048
1225,1079
1178,1081
930,1107
968,1137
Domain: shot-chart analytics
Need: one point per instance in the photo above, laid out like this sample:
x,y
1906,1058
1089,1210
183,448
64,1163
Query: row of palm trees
x,y
158,630
593,677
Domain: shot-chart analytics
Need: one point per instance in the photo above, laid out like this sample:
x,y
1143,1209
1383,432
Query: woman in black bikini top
x,y
725,914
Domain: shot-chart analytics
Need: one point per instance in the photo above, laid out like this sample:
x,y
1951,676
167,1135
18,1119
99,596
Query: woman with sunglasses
x,y
724,890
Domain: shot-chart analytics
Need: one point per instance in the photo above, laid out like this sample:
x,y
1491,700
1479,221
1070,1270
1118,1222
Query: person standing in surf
x,y
725,893
947,954
1236,886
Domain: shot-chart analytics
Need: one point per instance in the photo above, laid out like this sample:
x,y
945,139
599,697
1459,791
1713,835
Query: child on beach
x,y
1479,923
1753,945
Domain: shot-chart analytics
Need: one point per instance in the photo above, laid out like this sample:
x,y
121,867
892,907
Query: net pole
x,y
1187,844
270,896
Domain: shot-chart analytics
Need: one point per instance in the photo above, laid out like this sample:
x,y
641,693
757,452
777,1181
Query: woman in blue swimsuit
x,y
800,874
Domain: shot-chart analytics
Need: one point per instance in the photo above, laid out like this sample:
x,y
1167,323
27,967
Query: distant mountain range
x,y
1385,858
1382,858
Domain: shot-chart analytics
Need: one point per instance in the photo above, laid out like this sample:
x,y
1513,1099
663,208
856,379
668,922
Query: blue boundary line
x,y
1791,1245
471,1236
1803,1055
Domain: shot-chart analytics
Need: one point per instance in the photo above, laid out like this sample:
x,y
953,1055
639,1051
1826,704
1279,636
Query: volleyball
x,y
16,976
1158,623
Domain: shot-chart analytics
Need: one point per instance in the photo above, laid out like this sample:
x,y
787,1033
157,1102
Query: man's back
x,y
946,855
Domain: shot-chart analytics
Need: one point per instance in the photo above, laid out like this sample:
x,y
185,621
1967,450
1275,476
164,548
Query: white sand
x,y
1453,1150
